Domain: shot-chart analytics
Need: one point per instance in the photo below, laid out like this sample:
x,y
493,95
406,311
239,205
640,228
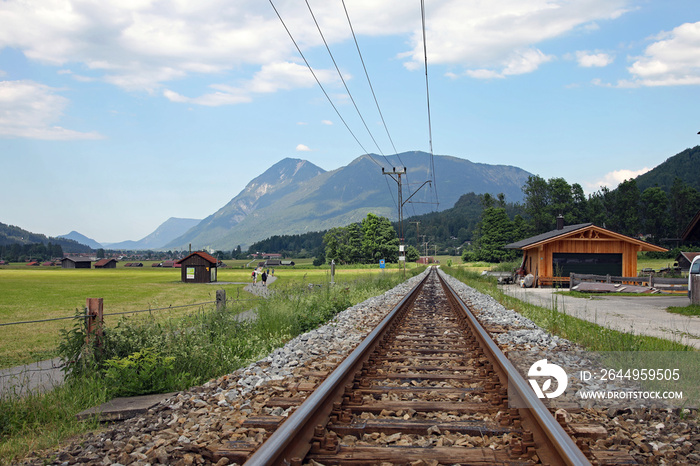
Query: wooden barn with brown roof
x,y
198,267
76,263
106,264
584,248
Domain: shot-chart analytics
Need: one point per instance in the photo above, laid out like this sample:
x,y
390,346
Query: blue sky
x,y
116,115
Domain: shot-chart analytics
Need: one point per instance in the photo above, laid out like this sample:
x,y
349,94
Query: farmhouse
x,y
106,264
76,263
198,267
583,248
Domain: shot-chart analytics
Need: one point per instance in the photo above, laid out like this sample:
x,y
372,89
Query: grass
x,y
199,346
35,293
581,294
28,294
692,310
591,336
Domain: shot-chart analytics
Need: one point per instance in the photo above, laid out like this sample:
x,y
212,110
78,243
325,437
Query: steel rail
x,y
292,439
544,426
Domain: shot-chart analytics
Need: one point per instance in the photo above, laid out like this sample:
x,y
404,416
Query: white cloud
x,y
614,178
327,122
30,110
500,38
303,148
271,78
674,59
145,44
587,59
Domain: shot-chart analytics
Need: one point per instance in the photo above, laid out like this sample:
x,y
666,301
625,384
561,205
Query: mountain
x,y
294,196
166,232
684,165
82,239
10,234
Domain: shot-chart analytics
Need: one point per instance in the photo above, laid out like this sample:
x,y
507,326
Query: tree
x,y
412,254
654,204
626,211
684,203
560,200
496,230
536,201
379,240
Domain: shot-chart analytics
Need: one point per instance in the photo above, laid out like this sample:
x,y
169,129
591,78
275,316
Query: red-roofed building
x,y
106,264
198,267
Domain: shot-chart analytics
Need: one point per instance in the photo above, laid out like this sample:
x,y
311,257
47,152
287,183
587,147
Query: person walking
x,y
264,277
255,277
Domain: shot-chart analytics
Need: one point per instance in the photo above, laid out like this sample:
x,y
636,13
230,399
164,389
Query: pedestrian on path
x,y
264,277
255,277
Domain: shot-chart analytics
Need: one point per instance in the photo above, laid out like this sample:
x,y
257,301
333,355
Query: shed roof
x,y
571,230
76,259
692,231
206,256
103,262
543,237
689,256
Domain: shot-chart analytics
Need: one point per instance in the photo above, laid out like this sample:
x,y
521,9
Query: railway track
x,y
427,386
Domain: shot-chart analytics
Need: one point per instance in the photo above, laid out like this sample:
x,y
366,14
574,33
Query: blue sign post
x,y
382,264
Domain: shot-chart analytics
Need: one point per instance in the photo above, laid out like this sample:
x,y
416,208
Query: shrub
x,y
141,373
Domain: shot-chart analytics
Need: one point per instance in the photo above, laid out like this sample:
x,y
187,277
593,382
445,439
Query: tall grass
x,y
590,335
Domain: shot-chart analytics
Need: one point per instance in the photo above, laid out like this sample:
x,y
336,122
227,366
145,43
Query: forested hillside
x,y
684,166
17,245
10,234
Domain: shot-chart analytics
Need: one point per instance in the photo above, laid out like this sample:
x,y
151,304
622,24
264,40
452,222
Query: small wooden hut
x,y
583,248
106,264
76,263
198,267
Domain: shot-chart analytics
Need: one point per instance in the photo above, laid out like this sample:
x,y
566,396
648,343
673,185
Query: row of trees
x,y
653,214
38,251
366,243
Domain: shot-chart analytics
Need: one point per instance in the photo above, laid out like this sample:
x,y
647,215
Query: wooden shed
x,y
583,248
198,267
684,260
76,263
106,264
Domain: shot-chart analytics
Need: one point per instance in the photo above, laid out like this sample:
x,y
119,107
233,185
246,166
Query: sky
x,y
116,115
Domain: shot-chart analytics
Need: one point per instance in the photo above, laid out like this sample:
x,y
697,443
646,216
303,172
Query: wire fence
x,y
127,312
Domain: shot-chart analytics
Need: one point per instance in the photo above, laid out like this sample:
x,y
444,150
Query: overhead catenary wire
x,y
352,99
374,95
318,81
427,95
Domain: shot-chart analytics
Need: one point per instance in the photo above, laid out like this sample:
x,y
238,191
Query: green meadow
x,y
38,293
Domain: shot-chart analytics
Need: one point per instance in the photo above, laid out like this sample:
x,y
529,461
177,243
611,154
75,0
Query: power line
x,y
324,90
343,80
352,99
374,95
318,81
427,94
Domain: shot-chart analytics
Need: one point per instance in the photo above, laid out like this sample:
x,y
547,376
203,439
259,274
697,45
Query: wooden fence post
x,y
695,289
95,320
220,300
